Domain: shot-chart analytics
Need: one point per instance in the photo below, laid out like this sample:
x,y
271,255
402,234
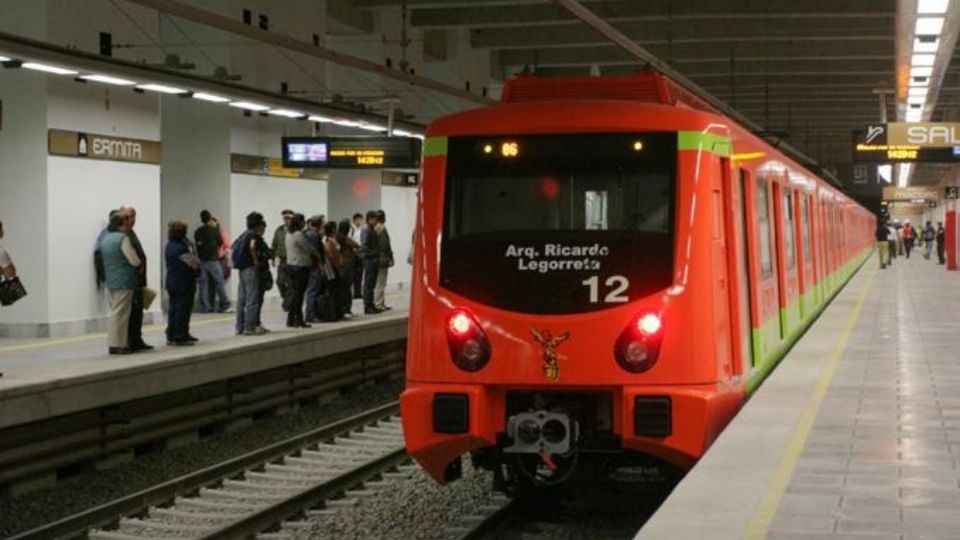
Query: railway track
x,y
252,493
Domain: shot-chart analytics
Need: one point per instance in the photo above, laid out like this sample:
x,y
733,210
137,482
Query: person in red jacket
x,y
909,236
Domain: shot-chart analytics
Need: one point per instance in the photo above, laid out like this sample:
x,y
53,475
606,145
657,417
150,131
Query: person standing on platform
x,y
314,235
941,239
893,241
279,248
224,251
356,233
247,257
120,263
209,242
385,261
183,268
370,251
883,245
136,312
348,253
333,270
929,235
909,235
302,258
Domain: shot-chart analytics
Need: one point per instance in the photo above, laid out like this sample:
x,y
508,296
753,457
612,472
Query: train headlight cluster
x,y
638,346
469,346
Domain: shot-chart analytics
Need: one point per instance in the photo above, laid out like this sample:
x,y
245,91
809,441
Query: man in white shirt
x,y
356,233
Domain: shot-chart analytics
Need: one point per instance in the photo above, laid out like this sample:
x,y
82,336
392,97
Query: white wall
x,y
400,205
81,194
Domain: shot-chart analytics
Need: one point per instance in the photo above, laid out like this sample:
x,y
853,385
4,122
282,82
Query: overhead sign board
x,y
899,142
108,147
351,152
911,193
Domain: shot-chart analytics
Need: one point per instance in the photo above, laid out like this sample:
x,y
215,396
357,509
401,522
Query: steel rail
x,y
79,524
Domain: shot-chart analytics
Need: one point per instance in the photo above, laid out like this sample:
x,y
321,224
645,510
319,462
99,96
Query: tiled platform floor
x,y
882,460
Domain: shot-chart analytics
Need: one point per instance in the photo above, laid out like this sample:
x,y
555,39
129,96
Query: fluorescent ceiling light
x,y
923,60
918,91
48,69
371,127
163,89
926,46
921,71
932,6
346,123
914,115
286,113
916,100
212,98
107,79
318,118
929,26
4,59
246,105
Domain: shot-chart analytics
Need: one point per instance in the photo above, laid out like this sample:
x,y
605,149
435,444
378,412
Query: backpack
x,y
240,251
327,306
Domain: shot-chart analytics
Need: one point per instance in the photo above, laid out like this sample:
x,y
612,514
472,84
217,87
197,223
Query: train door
x,y
736,200
767,284
722,299
780,253
804,253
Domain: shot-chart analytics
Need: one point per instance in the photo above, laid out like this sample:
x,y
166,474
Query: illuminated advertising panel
x,y
902,142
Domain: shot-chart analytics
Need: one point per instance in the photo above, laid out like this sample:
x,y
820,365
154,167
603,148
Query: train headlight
x,y
638,346
469,347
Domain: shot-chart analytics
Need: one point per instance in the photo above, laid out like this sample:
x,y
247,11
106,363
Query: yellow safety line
x,y
760,524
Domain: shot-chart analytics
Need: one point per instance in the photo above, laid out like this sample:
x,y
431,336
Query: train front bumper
x,y
441,422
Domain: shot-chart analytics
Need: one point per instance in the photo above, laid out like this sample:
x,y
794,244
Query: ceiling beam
x,y
226,24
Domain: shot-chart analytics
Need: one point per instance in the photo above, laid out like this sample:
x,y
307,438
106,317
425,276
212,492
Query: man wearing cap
x,y
279,247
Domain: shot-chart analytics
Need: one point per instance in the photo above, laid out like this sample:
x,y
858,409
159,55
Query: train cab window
x,y
805,227
789,245
542,215
763,226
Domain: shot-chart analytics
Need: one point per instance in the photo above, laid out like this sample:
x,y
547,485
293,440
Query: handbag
x,y
11,290
327,306
266,279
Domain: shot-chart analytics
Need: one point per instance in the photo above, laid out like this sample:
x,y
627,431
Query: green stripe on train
x,y
764,365
709,142
435,146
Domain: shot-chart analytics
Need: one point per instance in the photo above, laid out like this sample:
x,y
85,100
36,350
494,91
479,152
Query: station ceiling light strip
x,y
19,52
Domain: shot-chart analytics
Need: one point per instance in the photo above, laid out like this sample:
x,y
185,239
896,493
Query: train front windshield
x,y
559,223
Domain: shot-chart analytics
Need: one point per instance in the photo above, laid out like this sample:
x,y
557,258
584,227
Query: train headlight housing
x,y
469,347
638,346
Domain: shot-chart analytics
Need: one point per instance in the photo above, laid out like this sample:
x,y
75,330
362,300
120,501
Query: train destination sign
x,y
907,142
351,152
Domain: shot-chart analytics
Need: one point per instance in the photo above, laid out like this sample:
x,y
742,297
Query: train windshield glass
x,y
570,208
621,183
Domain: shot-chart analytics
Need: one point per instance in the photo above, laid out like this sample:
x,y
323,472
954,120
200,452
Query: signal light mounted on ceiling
x,y
469,346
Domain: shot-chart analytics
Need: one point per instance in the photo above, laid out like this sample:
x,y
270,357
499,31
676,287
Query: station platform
x,y
856,435
46,378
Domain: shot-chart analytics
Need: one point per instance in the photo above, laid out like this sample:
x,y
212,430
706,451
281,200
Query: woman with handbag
x,y
11,289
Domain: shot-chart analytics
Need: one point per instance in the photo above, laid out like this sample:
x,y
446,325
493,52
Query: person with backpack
x,y
941,245
928,237
208,240
909,236
248,257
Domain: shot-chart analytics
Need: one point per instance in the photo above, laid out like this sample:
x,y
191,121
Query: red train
x,y
605,269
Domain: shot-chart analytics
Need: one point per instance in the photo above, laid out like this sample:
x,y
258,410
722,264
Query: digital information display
x,y
351,152
900,142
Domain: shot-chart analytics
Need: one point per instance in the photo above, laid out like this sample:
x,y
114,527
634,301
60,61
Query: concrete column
x,y
23,183
195,173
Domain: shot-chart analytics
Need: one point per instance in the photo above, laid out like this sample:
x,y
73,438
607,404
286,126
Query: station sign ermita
x,y
902,142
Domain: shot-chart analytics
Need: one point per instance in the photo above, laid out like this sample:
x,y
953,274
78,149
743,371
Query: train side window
x,y
789,247
763,226
805,226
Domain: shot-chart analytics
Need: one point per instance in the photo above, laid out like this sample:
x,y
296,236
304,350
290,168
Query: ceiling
x,y
808,69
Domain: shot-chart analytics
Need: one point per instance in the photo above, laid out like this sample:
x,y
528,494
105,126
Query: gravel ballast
x,y
94,488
